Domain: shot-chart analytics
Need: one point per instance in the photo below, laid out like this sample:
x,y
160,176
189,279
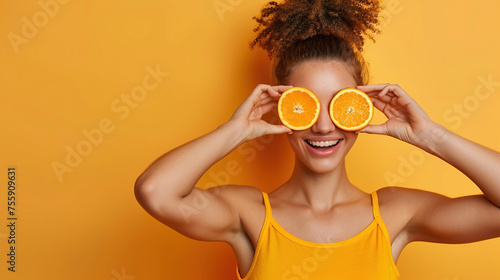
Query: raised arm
x,y
434,217
166,189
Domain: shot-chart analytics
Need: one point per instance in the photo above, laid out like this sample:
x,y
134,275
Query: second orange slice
x,y
351,109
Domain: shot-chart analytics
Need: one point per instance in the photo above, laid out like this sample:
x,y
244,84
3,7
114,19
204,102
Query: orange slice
x,y
351,109
298,108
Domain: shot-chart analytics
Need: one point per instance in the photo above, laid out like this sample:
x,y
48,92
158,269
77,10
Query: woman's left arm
x,y
438,218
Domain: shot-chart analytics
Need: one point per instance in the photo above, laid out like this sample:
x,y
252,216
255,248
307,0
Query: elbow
x,y
143,192
151,197
147,196
153,201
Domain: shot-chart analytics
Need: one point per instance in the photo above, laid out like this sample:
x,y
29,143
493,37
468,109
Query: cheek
x,y
351,138
294,139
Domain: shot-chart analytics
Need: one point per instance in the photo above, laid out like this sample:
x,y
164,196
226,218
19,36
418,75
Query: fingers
x,y
265,100
388,107
261,128
266,108
281,88
381,90
262,94
386,98
392,91
370,88
274,91
267,96
279,129
392,95
379,104
374,129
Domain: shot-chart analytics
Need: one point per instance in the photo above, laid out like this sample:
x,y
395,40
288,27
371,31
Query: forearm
x,y
480,164
174,175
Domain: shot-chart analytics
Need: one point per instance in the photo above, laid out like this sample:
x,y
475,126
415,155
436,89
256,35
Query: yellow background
x,y
64,77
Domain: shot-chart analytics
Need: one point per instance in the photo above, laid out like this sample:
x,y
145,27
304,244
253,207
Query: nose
x,y
324,123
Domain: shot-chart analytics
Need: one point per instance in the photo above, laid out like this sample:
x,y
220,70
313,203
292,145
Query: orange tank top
x,y
281,256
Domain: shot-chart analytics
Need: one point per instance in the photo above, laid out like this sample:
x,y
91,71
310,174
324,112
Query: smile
x,y
323,144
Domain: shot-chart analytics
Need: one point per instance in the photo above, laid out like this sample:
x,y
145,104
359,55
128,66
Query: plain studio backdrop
x,y
93,91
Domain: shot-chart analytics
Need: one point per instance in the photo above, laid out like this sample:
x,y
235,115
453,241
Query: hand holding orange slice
x,y
298,108
351,109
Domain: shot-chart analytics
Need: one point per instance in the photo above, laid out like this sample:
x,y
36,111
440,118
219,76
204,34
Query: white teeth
x,y
323,143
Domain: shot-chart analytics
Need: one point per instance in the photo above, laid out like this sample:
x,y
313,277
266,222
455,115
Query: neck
x,y
320,190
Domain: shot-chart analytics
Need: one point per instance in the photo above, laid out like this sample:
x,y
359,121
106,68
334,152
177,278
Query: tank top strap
x,y
265,196
262,240
383,228
376,212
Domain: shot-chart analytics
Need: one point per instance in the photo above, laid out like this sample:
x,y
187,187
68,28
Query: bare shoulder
x,y
399,206
407,198
238,195
246,201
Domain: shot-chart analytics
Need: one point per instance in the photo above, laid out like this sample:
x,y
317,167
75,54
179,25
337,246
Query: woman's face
x,y
323,147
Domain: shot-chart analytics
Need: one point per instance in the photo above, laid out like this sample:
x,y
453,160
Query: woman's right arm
x,y
166,189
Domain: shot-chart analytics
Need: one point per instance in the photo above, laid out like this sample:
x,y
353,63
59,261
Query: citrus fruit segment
x,y
298,108
351,109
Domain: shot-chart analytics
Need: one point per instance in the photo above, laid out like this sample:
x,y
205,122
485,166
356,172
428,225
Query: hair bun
x,y
281,25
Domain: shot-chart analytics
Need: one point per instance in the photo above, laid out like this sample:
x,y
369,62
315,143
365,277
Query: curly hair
x,y
298,30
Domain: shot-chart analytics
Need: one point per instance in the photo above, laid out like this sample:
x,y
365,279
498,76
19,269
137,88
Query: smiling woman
x,y
318,224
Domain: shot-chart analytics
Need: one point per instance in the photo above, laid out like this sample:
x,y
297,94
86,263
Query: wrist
x,y
235,133
435,136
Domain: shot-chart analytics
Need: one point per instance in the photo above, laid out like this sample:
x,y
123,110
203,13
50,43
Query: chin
x,y
322,166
